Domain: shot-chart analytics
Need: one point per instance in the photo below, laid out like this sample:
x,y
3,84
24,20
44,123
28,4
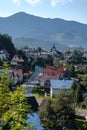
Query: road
x,y
33,80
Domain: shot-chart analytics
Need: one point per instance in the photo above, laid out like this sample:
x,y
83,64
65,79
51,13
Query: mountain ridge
x,y
27,14
45,29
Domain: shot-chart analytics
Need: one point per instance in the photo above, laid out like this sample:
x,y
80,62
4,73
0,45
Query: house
x,y
51,72
30,53
54,73
57,85
18,75
44,55
15,74
4,55
55,54
17,60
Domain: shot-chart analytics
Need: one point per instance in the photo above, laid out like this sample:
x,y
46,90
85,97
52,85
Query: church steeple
x,y
54,45
54,48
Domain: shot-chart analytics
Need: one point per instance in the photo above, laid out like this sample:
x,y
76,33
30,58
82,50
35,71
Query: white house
x,y
4,55
57,85
17,60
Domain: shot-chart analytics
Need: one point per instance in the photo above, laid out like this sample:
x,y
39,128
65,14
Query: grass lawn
x,y
38,97
39,93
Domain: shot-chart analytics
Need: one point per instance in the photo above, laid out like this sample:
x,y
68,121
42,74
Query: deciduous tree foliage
x,y
57,112
14,109
76,93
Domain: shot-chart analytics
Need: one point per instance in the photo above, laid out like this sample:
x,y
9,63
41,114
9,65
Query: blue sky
x,y
66,9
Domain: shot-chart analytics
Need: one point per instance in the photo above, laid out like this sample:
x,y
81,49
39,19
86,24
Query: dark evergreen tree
x,y
79,96
6,43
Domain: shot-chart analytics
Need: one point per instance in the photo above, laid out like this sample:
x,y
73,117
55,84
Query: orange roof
x,y
45,77
53,70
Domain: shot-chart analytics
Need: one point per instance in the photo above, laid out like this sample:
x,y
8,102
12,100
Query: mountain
x,y
24,27
34,43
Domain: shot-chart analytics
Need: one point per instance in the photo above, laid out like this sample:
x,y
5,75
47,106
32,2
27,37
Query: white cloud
x,y
33,2
17,2
55,2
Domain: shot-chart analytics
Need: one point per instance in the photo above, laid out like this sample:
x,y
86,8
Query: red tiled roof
x,y
51,73
45,77
53,70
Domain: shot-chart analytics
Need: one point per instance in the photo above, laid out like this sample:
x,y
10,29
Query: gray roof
x,y
61,84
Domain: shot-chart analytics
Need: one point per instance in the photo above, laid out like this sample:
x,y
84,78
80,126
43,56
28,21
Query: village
x,y
47,73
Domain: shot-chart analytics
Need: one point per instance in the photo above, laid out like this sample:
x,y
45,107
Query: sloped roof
x,y
45,77
18,58
51,72
61,84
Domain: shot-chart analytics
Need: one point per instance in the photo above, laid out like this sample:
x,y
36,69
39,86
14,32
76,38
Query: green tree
x,y
6,43
14,109
57,112
76,58
64,109
46,112
49,60
41,62
20,52
72,70
39,49
58,64
79,96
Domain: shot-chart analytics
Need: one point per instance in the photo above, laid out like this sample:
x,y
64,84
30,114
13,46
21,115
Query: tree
x,y
79,96
57,112
49,60
37,87
14,109
76,58
20,52
39,49
41,62
46,112
6,43
58,64
74,87
64,109
72,70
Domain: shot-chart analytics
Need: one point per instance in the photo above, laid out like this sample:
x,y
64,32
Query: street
x,y
33,80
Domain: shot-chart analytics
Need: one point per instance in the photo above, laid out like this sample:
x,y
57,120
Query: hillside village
x,y
47,73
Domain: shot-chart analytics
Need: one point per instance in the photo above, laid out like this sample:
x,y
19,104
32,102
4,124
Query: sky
x,y
74,10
